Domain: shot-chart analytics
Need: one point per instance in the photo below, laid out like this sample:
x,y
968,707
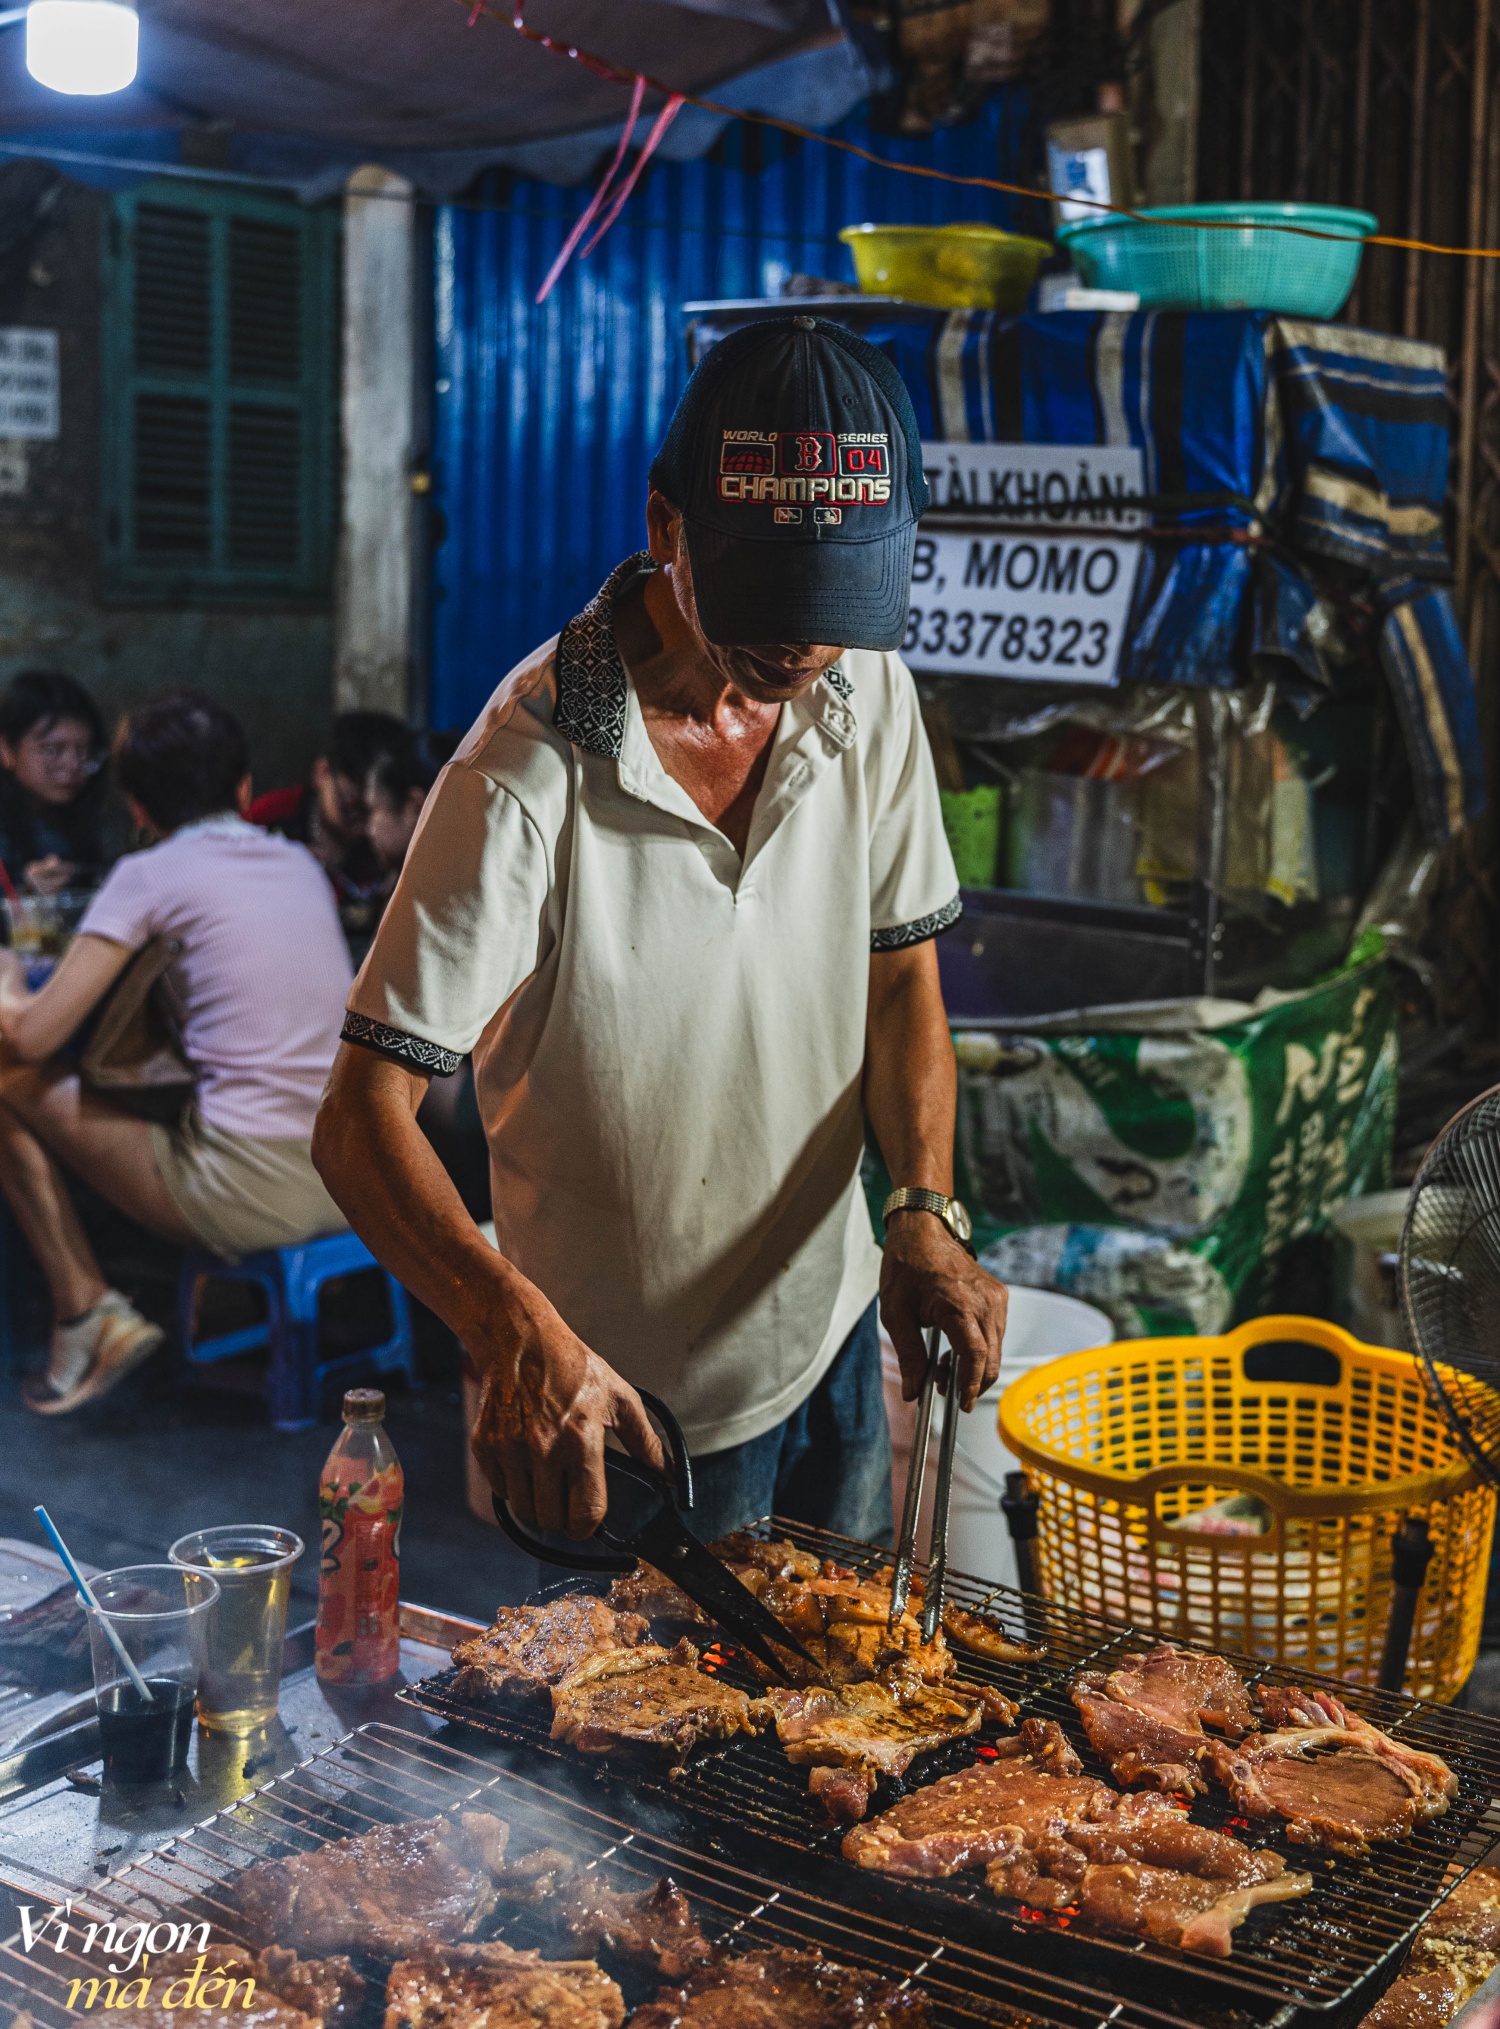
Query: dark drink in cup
x,y
141,1742
146,1626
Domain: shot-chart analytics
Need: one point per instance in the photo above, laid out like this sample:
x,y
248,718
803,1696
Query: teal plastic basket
x,y
1172,267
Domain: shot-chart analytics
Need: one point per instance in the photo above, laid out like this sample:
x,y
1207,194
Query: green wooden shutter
x,y
220,343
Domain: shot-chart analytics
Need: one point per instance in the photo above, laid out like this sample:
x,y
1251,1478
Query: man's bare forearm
x,y
382,1173
548,1399
910,1079
926,1279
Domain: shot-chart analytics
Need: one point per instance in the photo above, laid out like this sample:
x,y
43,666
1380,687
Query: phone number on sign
x,y
1013,637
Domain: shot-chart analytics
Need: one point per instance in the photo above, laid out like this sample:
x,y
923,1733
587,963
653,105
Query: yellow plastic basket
x,y
1126,1444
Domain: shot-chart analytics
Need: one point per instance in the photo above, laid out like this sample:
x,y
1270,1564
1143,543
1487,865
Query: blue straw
x,y
86,1592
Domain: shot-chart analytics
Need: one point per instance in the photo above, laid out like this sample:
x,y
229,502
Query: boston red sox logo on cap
x,y
837,467
795,461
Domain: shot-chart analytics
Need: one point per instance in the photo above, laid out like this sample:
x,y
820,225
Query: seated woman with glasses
x,y
51,788
258,984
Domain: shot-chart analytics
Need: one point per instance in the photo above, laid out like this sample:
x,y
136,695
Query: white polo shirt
x,y
669,1042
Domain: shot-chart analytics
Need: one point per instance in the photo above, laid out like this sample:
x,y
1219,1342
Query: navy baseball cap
x,y
795,462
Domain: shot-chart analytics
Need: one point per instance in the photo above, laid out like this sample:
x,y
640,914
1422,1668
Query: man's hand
x,y
539,1436
927,1279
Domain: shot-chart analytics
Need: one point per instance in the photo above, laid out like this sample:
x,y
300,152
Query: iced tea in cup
x,y
252,1564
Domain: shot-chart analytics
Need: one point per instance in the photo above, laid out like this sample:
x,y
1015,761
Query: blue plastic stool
x,y
291,1278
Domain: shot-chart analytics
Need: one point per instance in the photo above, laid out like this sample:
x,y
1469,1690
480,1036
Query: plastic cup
x,y
43,926
251,1563
160,1614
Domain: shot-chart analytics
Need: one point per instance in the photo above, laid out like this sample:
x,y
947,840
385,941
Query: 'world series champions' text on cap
x,y
795,461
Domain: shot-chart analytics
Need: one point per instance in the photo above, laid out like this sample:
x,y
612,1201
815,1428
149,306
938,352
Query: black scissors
x,y
644,1520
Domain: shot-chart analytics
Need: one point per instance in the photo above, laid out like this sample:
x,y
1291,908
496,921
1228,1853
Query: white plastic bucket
x,y
1366,1237
1042,1326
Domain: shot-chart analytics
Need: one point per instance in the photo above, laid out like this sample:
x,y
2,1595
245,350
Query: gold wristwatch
x,y
950,1210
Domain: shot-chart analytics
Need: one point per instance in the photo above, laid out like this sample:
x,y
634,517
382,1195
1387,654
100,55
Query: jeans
x,y
828,1464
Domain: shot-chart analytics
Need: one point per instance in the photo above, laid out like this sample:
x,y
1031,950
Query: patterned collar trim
x,y
592,687
591,683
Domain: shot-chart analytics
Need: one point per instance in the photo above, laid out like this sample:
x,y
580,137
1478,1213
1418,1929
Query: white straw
x,y
87,1593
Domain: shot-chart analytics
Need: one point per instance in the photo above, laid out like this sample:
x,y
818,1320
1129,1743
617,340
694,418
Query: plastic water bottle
x,y
361,1497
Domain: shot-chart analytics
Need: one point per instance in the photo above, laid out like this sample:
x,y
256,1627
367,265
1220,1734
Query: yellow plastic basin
x,y
952,267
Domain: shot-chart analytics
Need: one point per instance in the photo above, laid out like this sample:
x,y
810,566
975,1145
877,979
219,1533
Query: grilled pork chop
x,y
781,1989
1146,1718
528,1649
1054,1838
1454,1952
1431,1990
386,1892
286,1992
489,1986
1340,1783
991,1811
650,1592
1183,1689
844,1793
1471,1914
755,1562
649,1697
843,1623
651,1927
1142,1867
325,1990
867,1727
533,1878
983,1635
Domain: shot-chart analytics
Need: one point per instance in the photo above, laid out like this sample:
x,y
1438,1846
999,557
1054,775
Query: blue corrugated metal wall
x,y
546,419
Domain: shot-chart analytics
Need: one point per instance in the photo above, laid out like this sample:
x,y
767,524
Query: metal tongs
x,y
940,1379
644,1521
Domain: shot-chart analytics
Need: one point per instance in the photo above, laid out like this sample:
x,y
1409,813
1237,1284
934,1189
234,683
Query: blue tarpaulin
x,y
1330,442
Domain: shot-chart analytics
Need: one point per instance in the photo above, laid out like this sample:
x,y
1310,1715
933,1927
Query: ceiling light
x,y
84,47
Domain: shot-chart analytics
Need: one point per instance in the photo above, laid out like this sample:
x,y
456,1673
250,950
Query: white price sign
x,y
1043,607
1081,484
1044,599
28,383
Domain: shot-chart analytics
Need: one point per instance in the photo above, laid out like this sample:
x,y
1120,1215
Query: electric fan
x,y
1450,1276
1450,1300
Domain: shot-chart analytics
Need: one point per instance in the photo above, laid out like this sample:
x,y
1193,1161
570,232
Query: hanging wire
x,y
613,73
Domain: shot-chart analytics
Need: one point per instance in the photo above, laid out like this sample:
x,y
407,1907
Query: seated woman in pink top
x,y
259,985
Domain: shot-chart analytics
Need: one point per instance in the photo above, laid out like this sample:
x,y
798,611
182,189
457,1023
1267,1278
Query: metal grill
x,y
382,1775
1312,1953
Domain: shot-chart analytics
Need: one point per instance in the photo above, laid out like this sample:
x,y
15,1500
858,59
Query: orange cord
x,y
612,73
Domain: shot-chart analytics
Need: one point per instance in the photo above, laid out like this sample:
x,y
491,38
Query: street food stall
x,y
1191,679
641,1816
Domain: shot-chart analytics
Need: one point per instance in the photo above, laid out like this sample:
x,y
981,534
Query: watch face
x,y
958,1221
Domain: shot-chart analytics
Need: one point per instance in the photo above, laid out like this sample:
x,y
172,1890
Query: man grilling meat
x,y
677,893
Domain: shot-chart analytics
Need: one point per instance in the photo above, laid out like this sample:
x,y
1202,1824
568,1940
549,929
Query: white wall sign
x,y
29,399
1043,597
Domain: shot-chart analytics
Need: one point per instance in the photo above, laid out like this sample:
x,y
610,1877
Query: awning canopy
x,y
411,83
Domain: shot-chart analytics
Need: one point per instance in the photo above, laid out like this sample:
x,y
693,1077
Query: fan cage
x,y
1450,1277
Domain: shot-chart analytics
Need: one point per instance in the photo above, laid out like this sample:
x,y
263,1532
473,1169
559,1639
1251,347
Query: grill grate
x,y
381,1774
1312,1953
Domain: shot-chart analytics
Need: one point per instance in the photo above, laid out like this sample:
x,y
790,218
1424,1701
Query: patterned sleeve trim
x,y
901,934
413,1051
